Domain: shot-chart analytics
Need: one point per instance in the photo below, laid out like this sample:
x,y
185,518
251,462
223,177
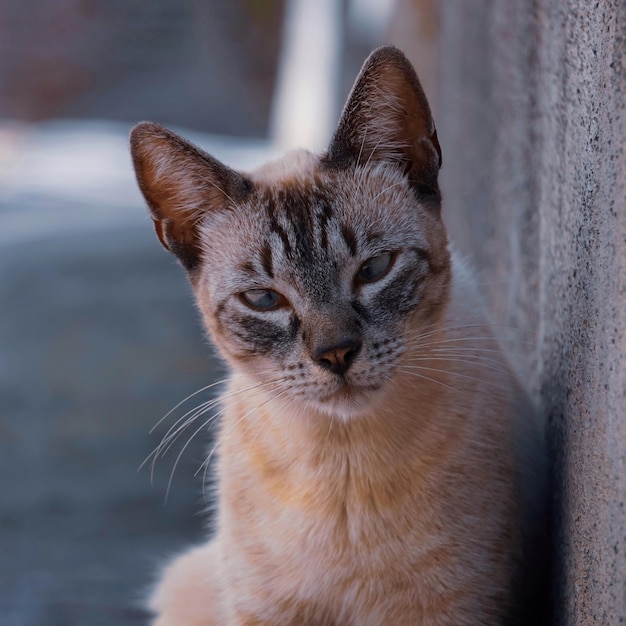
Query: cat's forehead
x,y
365,196
293,165
304,221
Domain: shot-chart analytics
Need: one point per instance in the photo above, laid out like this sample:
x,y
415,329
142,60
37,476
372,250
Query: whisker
x,y
485,324
258,388
176,430
477,349
455,373
176,426
437,342
166,444
191,395
189,417
222,191
373,151
445,331
256,408
205,464
432,380
479,354
460,358
180,454
202,408
358,160
202,427
380,193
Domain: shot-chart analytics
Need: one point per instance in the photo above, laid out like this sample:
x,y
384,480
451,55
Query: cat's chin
x,y
347,403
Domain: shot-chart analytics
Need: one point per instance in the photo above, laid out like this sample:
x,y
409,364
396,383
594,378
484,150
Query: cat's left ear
x,y
387,118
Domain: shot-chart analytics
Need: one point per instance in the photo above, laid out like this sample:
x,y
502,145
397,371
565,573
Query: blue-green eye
x,y
262,299
375,268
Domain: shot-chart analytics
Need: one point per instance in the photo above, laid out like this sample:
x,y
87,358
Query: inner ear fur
x,y
387,118
180,184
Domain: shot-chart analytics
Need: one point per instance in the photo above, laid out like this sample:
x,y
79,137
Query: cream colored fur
x,y
365,518
407,490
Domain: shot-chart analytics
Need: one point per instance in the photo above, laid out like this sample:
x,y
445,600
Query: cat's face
x,y
311,282
313,272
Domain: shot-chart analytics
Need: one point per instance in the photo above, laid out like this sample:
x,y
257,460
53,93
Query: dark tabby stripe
x,y
275,227
304,228
424,255
294,326
187,254
373,238
350,238
324,217
299,215
247,268
266,259
361,311
400,295
262,336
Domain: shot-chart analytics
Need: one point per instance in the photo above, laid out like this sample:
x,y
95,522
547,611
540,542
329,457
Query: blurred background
x,y
99,338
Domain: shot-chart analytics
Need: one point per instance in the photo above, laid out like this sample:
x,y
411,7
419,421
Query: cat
x,y
378,462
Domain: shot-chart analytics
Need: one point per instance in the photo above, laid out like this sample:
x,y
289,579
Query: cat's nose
x,y
338,358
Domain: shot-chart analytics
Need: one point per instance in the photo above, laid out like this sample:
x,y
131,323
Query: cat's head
x,y
313,272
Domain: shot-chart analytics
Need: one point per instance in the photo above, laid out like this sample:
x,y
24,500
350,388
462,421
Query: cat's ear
x,y
181,183
387,118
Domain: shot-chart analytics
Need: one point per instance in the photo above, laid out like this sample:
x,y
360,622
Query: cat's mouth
x,y
348,399
345,393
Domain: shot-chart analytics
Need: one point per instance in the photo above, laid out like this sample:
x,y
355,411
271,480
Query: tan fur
x,y
408,501
363,519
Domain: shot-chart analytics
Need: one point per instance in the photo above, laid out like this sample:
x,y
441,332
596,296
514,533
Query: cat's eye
x,y
375,268
262,299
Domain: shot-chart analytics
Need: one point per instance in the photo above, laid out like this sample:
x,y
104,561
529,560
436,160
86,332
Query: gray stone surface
x,y
533,129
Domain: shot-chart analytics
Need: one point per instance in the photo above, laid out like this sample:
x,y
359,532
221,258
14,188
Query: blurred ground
x,y
83,380
98,340
98,334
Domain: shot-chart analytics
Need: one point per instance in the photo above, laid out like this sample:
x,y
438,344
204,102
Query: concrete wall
x,y
532,121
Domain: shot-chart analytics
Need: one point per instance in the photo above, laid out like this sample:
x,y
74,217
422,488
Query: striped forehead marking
x,y
302,219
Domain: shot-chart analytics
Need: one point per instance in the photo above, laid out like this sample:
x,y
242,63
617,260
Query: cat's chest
x,y
337,495
335,535
339,504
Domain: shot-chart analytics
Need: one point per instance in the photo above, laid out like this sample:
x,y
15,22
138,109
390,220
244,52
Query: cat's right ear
x,y
180,184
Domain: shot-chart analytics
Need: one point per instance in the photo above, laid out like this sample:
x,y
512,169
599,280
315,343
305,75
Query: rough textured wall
x,y
532,122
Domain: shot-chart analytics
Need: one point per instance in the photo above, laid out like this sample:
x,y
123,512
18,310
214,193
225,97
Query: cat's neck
x,y
401,428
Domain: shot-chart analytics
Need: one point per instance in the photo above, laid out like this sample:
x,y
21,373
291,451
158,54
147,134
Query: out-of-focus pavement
x,y
98,340
99,337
